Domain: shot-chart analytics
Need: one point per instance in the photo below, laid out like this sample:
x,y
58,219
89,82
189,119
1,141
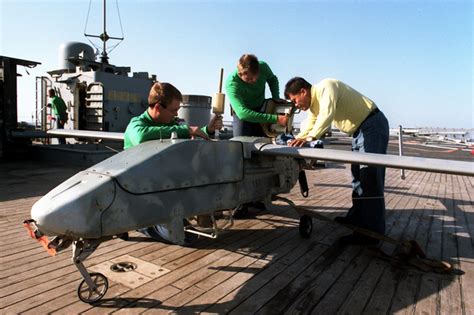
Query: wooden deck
x,y
261,265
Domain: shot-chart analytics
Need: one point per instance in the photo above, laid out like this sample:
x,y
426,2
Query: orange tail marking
x,y
31,233
43,240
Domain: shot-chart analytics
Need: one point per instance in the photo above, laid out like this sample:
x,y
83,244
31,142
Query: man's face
x,y
248,77
302,99
167,114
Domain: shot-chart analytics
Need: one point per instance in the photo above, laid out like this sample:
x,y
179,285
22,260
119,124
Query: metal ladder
x,y
43,84
94,114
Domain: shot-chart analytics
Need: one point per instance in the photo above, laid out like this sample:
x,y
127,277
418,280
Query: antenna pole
x,y
105,21
104,37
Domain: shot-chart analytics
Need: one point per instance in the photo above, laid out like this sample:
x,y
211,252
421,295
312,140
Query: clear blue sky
x,y
413,58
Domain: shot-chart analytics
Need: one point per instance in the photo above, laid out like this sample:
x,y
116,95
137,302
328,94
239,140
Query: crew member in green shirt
x,y
59,110
158,122
246,90
160,119
332,101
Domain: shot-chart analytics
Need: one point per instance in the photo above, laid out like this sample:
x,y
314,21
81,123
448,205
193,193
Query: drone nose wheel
x,y
91,294
306,226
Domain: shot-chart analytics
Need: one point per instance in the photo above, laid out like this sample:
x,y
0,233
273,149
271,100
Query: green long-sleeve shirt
x,y
246,99
142,128
59,107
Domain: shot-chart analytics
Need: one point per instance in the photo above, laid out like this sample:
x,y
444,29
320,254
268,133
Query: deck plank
x,y
339,293
404,299
298,256
261,265
275,304
132,298
464,209
382,297
428,295
450,292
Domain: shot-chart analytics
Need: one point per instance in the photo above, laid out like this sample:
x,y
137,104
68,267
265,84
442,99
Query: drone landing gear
x,y
306,222
93,293
95,285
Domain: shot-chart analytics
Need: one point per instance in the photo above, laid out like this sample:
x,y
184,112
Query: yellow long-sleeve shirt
x,y
335,101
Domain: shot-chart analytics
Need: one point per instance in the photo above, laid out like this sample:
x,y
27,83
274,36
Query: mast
x,y
104,37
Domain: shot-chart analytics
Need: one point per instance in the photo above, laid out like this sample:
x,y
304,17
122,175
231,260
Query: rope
x,y
112,149
87,17
120,19
121,28
85,27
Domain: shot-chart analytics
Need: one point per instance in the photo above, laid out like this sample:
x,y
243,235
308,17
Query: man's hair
x,y
163,93
248,64
295,85
52,92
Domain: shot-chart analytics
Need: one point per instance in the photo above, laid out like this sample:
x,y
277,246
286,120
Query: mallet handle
x,y
220,81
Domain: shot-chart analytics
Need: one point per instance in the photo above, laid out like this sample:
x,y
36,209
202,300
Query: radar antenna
x,y
104,37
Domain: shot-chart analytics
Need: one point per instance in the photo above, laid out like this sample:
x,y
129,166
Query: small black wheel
x,y
306,226
89,295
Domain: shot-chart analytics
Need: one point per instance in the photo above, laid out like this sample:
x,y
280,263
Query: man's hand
x,y
215,124
297,143
282,120
194,131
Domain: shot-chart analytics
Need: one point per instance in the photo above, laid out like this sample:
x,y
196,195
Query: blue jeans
x,y
368,203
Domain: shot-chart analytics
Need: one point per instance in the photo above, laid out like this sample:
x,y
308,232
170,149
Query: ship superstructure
x,y
99,96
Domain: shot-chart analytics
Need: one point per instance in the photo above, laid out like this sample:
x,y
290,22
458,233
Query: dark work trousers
x,y
245,128
60,125
368,203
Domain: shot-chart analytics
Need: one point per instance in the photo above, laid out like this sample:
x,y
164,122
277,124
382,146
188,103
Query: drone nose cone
x,y
74,208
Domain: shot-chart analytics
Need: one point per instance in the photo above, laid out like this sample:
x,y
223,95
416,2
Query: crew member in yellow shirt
x,y
334,102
